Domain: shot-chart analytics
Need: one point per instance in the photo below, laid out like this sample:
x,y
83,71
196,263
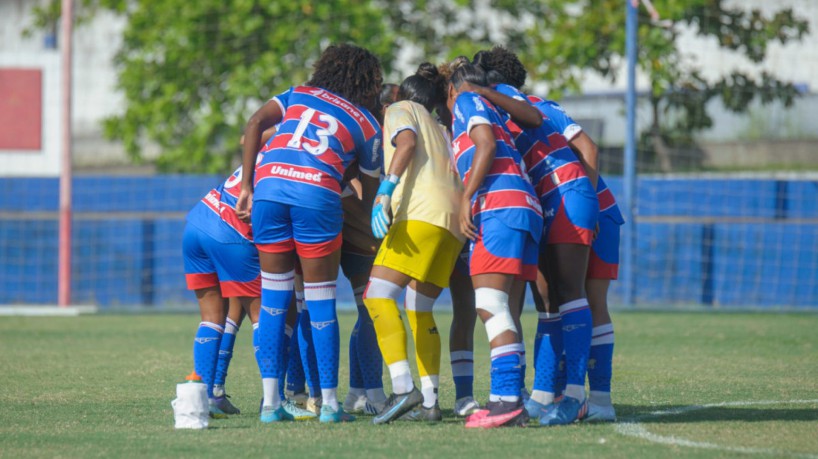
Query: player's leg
x,y
235,314
516,304
274,238
381,300
292,363
419,304
602,268
461,338
566,258
318,243
201,277
497,261
548,348
366,362
306,348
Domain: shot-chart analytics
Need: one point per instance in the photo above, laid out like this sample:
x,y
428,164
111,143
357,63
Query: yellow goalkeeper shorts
x,y
420,250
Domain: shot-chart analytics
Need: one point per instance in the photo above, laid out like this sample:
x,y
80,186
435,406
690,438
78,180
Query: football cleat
x,y
298,413
328,415
313,404
224,405
498,414
465,406
300,398
355,404
423,414
536,410
600,413
269,415
524,395
374,408
568,410
397,405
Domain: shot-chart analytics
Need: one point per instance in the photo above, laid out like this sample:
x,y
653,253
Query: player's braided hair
x,y
426,87
350,71
507,65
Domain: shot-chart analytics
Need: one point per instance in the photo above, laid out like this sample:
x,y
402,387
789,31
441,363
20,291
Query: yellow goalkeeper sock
x,y
427,343
389,328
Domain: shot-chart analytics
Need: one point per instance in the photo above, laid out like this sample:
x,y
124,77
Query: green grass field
x,y
102,385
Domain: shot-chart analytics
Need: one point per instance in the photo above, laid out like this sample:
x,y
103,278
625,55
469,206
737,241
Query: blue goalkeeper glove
x,y
380,208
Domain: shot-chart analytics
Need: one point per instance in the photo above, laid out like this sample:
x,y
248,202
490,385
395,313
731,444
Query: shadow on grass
x,y
676,414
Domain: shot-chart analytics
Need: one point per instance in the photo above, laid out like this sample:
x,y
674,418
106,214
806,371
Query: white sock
x,y
218,390
401,377
600,398
269,387
376,396
428,387
575,391
330,397
503,398
542,397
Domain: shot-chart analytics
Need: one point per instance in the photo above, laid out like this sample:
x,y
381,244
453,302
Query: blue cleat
x,y
269,415
537,410
328,415
223,404
397,405
567,411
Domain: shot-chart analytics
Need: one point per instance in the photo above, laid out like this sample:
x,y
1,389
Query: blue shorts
x,y
603,262
500,249
281,228
570,216
209,263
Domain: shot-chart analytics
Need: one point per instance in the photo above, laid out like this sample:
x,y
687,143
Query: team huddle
x,y
453,179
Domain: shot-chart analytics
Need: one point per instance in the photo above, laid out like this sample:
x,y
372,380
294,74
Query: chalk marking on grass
x,y
633,428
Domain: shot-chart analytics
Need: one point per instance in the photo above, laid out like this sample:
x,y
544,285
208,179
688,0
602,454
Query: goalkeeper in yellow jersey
x,y
422,241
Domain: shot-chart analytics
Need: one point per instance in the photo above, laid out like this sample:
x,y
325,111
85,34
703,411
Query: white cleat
x,y
355,404
466,406
600,413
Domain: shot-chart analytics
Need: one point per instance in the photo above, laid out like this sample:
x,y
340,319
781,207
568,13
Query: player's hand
x,y
244,205
381,206
466,224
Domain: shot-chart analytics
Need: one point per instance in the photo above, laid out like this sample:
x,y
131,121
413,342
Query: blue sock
x,y
206,352
505,373
523,367
320,299
547,349
276,292
356,380
225,351
576,336
307,350
255,345
368,353
288,338
601,357
295,370
463,373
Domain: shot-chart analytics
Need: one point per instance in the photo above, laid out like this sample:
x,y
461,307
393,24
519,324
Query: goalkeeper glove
x,y
380,208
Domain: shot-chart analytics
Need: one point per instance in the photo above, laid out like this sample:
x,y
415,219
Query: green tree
x,y
192,72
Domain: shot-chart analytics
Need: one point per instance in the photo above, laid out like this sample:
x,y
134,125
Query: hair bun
x,y
427,71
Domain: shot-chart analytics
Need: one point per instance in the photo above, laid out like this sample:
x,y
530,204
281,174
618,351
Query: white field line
x,y
633,428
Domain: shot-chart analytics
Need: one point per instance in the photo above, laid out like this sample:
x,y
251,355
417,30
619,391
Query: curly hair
x,y
426,87
350,71
447,68
505,63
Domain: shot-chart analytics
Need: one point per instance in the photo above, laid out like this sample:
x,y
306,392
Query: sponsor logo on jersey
x,y
478,103
296,174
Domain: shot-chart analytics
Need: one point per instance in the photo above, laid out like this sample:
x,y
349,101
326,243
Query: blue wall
x,y
748,242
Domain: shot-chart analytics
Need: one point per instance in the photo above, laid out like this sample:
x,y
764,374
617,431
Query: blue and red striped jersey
x,y
550,162
569,129
215,214
506,192
320,134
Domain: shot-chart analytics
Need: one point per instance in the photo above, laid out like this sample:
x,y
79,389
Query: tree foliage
x,y
192,71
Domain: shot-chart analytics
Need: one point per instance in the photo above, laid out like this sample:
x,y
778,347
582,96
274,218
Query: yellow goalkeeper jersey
x,y
429,189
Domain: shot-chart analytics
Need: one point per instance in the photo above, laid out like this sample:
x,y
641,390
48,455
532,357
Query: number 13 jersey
x,y
320,134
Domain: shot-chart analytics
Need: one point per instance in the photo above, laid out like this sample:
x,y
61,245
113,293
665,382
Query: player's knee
x,y
495,305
